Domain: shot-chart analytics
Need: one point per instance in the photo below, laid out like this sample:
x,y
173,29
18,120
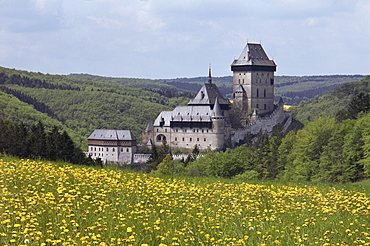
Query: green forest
x,y
293,89
330,140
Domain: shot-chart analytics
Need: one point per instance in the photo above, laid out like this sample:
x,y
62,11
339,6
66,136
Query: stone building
x,y
116,146
253,79
206,120
203,122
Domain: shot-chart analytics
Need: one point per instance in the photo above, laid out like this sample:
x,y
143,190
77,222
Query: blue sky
x,y
180,38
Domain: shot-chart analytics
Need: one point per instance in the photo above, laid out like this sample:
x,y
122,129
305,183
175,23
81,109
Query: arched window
x,y
160,137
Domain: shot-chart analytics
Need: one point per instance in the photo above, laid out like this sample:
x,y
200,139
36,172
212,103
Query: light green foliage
x,y
166,167
307,149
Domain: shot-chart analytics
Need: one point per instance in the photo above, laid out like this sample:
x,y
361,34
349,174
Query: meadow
x,y
45,203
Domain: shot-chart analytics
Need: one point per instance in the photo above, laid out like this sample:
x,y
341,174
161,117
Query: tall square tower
x,y
253,79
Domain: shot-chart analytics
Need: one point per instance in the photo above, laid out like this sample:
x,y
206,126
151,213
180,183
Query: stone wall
x,y
264,124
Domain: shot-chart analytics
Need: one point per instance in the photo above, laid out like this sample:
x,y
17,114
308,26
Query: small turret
x,y
209,75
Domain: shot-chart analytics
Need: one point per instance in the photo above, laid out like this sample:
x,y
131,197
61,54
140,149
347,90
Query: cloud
x,y
175,38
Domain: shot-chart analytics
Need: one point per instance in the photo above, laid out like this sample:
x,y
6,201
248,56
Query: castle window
x,y
271,81
127,150
121,149
257,94
264,93
113,149
205,139
183,139
175,139
243,81
198,139
239,81
165,130
264,106
107,149
191,139
157,129
160,137
257,105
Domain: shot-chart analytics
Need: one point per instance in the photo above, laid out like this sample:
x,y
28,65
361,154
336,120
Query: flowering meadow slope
x,y
50,204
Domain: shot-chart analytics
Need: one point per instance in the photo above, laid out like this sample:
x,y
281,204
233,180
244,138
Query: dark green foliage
x,y
37,143
359,104
156,156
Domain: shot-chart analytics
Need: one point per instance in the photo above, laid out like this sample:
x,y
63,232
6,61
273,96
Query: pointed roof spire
x,y
209,75
281,102
217,109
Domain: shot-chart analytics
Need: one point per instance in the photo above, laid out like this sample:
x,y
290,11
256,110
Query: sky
x,y
181,38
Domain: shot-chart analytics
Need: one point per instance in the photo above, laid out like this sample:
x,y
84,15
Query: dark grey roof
x,y
217,109
185,113
105,134
240,89
149,126
149,143
253,54
207,96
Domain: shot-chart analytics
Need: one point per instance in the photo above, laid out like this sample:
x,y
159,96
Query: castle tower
x,y
254,72
218,122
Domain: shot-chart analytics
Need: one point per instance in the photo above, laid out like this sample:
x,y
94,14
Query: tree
x,y
166,167
36,140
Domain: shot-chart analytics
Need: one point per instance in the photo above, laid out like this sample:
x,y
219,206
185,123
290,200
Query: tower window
x,y
257,94
264,106
271,81
264,93
257,105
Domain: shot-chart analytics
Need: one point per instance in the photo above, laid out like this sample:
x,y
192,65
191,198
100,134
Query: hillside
x,y
80,106
331,102
81,103
293,89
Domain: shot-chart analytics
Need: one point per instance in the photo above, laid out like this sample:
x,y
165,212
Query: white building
x,y
116,146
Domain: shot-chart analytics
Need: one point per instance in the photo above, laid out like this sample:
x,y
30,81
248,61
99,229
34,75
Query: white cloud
x,y
175,38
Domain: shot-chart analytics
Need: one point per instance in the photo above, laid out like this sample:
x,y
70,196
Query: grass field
x,y
57,204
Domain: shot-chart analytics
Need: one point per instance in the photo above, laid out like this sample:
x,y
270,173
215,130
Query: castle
x,y
207,120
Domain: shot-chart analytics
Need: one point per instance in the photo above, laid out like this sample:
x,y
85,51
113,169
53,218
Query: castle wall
x,y
187,138
264,124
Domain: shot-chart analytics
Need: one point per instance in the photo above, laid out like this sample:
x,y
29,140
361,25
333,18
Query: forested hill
x,y
293,89
80,106
81,103
332,103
